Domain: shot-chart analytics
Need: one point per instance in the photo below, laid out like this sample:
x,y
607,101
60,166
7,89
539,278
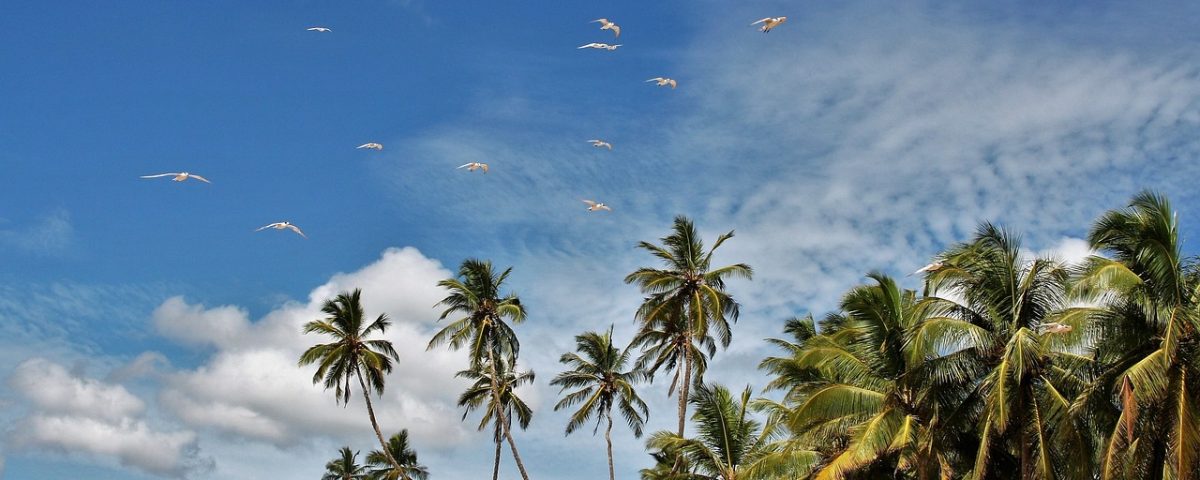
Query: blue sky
x,y
860,135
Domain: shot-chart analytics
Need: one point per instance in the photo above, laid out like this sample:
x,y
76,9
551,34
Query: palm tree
x,y
345,467
601,382
729,445
475,294
863,389
1147,341
666,467
1020,400
481,392
398,448
686,296
351,355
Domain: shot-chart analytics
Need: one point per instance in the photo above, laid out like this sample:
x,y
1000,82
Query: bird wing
x,y
606,207
484,166
590,45
197,177
590,203
601,20
160,175
465,165
297,230
655,79
264,227
672,83
761,21
609,145
616,29
365,145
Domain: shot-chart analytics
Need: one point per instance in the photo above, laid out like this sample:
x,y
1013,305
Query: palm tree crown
x,y
351,355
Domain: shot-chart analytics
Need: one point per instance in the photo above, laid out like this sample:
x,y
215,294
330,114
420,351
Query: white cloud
x,y
51,388
193,324
132,442
252,388
1069,250
146,364
79,415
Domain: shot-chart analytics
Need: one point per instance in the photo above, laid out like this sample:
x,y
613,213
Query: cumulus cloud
x,y
146,364
52,389
80,415
252,388
132,442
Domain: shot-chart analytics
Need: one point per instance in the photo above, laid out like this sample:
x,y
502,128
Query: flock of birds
x,y
1050,328
768,24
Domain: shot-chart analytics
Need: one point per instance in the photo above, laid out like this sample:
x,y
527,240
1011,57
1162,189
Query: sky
x,y
147,331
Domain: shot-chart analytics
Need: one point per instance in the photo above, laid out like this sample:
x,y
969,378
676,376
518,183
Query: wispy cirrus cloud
x,y
49,234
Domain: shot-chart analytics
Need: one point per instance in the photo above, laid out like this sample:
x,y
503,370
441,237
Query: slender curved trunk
x,y
683,390
608,438
374,424
500,417
496,469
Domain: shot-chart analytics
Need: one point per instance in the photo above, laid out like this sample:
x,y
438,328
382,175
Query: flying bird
x,y
1055,328
664,81
604,46
372,146
933,267
769,23
319,29
281,226
600,144
593,206
179,177
607,25
471,167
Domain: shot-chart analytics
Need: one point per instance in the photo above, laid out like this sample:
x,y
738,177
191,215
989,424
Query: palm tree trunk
x,y
683,389
500,417
371,412
608,438
496,469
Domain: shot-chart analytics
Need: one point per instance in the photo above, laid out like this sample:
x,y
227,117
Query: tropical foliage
x,y
601,381
399,449
999,365
686,311
351,356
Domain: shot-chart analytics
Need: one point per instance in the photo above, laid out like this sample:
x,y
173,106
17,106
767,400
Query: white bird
x,y
664,81
372,146
179,177
1055,328
593,206
319,29
600,144
769,23
471,167
281,226
933,267
604,46
607,25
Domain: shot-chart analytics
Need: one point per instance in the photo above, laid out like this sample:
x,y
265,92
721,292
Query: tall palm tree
x,y
687,295
345,467
1021,399
600,377
480,394
1144,314
399,449
729,445
351,355
475,294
